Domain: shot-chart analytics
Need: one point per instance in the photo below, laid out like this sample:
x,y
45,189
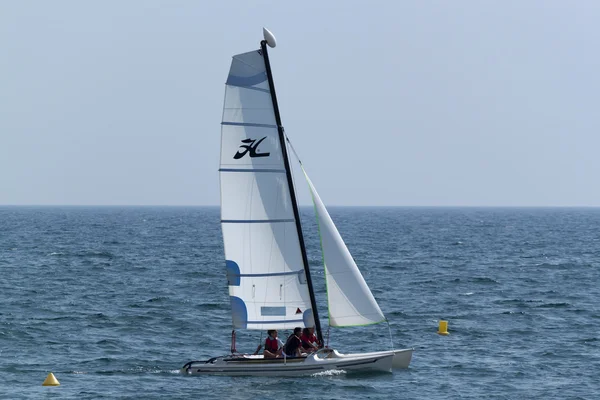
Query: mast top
x,y
269,38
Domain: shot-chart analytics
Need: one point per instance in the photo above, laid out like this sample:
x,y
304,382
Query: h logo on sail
x,y
251,147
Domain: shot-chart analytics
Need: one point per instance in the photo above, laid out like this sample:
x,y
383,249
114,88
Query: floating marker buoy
x,y
443,329
51,380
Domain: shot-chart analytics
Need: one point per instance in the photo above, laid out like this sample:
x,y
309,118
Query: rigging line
x,y
291,169
293,149
390,329
287,139
260,341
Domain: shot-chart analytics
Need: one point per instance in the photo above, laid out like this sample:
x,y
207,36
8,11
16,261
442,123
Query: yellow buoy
x,y
51,380
443,329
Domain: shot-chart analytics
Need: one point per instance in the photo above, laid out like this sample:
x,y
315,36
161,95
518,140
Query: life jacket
x,y
271,344
308,339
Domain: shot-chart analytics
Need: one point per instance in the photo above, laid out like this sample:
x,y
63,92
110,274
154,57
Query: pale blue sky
x,y
485,103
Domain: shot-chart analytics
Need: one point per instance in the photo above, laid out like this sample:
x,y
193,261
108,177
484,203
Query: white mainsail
x,y
265,272
350,300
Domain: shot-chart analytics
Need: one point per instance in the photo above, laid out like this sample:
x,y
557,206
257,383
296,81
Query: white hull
x,y
323,360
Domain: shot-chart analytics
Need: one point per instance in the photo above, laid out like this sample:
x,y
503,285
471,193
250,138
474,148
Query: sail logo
x,y
250,147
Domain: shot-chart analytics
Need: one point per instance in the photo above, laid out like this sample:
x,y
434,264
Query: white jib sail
x,y
267,284
349,298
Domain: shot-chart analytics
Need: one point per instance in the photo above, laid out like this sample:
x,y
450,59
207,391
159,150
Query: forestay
x,y
265,272
349,298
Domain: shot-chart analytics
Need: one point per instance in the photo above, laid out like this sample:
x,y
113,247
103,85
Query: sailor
x,y
310,343
273,345
293,346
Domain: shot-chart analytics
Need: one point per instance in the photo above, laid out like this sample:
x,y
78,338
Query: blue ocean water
x,y
114,300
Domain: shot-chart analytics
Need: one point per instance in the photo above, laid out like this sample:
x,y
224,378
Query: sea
x,y
114,300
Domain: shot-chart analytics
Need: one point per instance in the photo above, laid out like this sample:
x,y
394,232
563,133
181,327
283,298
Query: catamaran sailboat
x,y
269,279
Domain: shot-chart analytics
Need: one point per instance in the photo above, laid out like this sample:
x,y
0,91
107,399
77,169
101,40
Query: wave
x,y
168,371
331,372
95,253
157,299
126,371
112,242
424,282
588,340
559,265
554,305
397,314
111,342
484,279
213,306
517,301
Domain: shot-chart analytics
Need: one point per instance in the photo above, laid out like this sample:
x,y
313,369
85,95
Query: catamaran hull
x,y
402,358
382,361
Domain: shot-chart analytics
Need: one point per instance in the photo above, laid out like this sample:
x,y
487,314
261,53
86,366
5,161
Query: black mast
x,y
288,172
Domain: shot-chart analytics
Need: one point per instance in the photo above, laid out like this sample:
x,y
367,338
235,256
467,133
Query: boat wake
x,y
331,372
170,371
127,371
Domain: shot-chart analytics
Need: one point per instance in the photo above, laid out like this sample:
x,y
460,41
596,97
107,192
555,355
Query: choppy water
x,y
114,300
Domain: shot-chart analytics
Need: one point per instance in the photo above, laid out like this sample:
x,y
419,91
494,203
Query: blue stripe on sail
x,y
246,80
270,274
308,318
250,170
233,273
275,322
254,221
248,124
239,313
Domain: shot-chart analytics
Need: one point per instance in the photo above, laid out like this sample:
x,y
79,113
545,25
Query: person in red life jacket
x,y
293,346
273,345
310,343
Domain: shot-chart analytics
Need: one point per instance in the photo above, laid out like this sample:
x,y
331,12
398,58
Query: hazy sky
x,y
388,103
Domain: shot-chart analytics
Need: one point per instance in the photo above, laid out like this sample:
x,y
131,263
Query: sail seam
x,y
248,124
254,221
266,274
252,80
275,322
239,59
251,170
249,88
